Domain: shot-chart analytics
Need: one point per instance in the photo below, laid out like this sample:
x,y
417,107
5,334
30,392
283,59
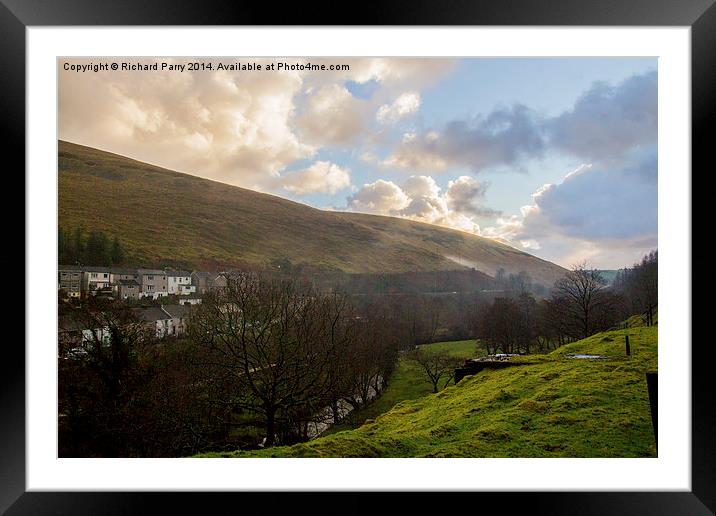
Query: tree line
x,y
639,285
580,304
76,247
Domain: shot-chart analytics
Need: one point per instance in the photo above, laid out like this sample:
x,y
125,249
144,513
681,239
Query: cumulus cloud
x,y
239,128
404,106
465,195
227,126
419,198
321,177
332,116
592,209
500,138
607,121
381,197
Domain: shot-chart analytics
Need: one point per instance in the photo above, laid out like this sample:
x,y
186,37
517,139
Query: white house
x,y
179,282
95,278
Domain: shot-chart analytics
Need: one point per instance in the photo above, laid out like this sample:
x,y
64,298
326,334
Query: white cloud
x,y
404,106
332,116
238,128
419,198
235,128
381,197
321,177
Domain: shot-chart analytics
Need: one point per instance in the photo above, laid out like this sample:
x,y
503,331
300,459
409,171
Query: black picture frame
x,y
17,15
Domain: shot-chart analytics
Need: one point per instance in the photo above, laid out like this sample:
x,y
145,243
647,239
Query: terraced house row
x,y
121,283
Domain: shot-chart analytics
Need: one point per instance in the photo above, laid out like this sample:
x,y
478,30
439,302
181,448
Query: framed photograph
x,y
419,254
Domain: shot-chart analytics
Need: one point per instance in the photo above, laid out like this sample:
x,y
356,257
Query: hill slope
x,y
166,217
553,406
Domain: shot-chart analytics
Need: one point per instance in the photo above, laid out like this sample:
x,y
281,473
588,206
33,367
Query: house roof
x,y
177,310
74,268
155,272
177,273
92,268
151,314
125,272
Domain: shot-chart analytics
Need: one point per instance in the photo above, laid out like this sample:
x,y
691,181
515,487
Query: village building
x,y
179,315
127,289
70,280
73,335
179,282
152,283
156,319
116,275
201,281
95,278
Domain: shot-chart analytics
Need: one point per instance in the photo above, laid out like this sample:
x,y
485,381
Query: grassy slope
x,y
164,217
553,406
408,382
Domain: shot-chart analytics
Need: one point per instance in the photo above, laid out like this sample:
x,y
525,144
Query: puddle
x,y
587,356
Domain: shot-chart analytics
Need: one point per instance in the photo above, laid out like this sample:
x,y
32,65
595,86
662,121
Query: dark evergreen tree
x,y
77,252
117,254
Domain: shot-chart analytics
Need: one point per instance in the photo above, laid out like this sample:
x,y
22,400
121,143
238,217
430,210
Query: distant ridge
x,y
170,218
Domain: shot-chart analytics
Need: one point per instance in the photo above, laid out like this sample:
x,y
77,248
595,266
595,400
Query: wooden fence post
x,y
652,383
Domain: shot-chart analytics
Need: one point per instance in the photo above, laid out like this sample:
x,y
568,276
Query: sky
x,y
554,156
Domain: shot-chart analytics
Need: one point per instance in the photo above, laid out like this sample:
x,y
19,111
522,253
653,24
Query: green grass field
x,y
407,383
552,406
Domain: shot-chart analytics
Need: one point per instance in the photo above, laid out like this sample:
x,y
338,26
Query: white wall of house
x,y
95,280
180,285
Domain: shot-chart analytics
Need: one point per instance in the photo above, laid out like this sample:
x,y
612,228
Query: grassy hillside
x,y
168,218
552,406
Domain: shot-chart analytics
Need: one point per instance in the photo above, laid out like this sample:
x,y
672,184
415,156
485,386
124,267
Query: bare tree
x,y
582,289
436,366
274,338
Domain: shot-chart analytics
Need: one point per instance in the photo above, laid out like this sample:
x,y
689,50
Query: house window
x,y
106,275
93,275
151,278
